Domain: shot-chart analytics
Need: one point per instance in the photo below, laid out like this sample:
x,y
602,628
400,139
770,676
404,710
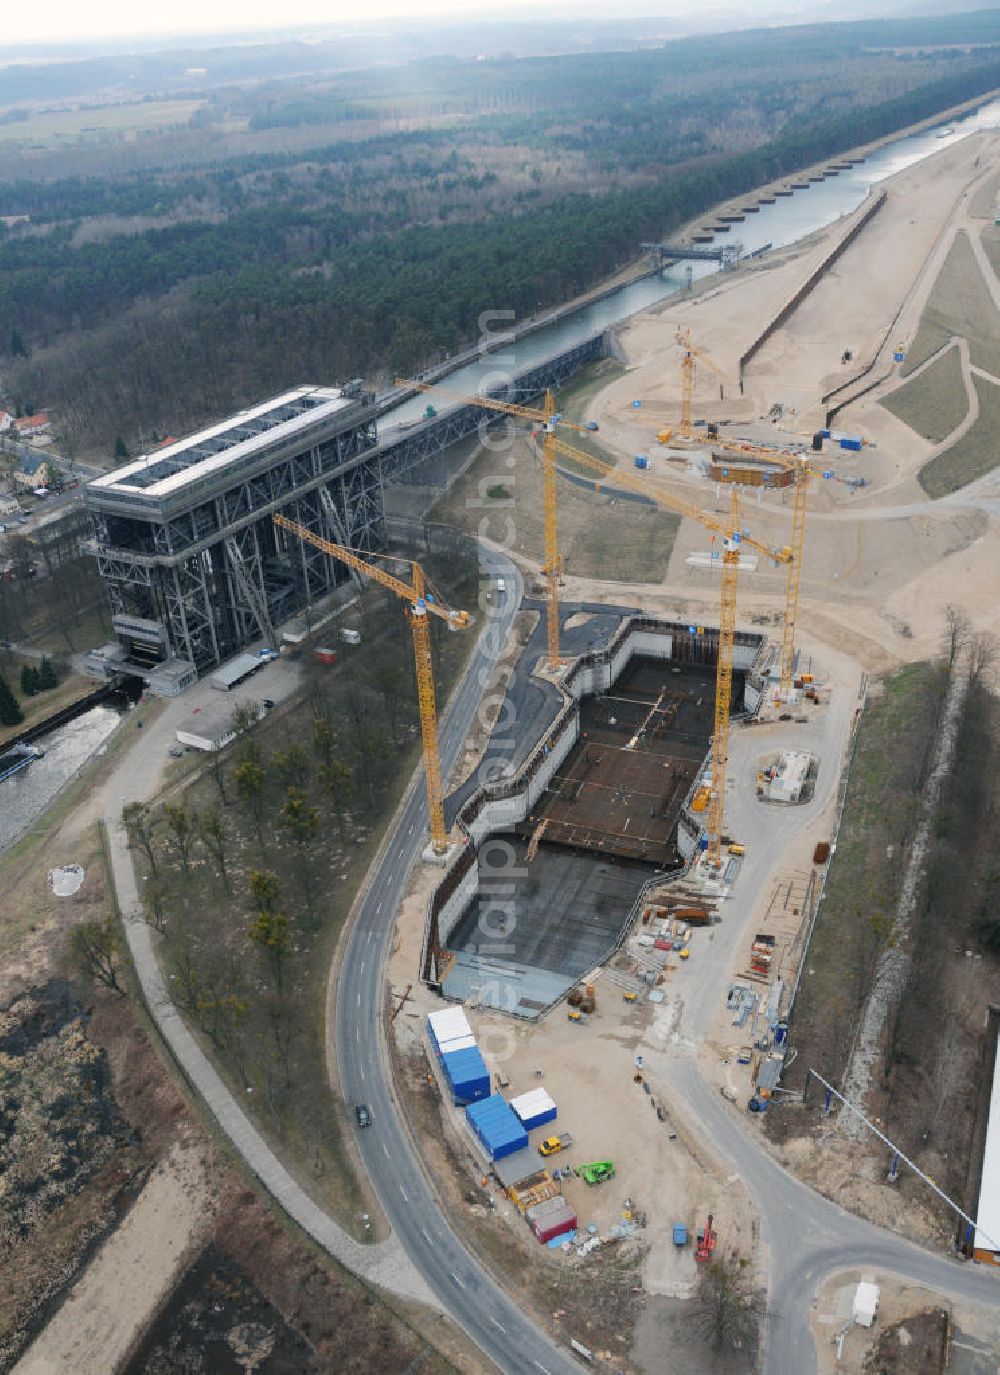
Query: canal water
x,y
26,794
789,219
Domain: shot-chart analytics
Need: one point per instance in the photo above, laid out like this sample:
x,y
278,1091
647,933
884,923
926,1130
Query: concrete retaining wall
x,y
496,807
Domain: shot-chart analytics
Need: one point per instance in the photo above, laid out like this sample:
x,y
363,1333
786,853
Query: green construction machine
x,y
597,1172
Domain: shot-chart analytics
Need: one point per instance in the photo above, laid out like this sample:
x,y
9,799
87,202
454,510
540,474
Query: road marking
x,y
426,1236
358,999
370,934
385,1150
379,907
357,1034
362,1073
538,1366
406,1197
498,1324
457,1280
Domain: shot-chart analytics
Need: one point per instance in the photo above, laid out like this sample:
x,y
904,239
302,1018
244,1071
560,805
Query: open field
x,y
935,402
598,536
959,304
972,456
51,128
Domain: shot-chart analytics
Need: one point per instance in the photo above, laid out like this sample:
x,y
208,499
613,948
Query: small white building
x,y
865,1303
987,1238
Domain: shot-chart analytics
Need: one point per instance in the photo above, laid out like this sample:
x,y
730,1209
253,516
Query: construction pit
x,y
555,891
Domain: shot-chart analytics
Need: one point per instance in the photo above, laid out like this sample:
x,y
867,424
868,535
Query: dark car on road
x,y
363,1114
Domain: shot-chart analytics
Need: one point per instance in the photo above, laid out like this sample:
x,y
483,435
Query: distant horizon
x,y
112,22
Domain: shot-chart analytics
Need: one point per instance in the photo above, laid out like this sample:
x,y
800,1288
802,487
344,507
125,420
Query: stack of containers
x,y
467,1075
551,1218
450,1024
464,1067
496,1126
534,1108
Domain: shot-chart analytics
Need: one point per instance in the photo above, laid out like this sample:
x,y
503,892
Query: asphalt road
x,y
805,1237
464,1289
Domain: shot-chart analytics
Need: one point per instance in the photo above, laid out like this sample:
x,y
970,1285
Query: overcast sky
x,y
61,20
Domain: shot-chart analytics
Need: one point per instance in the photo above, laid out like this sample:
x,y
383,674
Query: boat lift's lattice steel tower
x,y
185,541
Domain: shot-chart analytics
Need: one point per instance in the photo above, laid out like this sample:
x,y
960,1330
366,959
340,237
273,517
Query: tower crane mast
x,y
689,355
733,540
421,606
549,418
732,537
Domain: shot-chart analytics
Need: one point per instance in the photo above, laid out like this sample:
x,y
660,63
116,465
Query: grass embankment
x,y
925,1084
599,537
959,304
891,757
304,798
972,456
934,403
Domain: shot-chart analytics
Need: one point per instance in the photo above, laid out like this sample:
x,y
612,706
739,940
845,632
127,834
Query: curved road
x,y
806,1237
494,1322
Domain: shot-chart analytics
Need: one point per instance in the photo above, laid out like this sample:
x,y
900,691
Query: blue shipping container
x,y
467,1075
853,444
495,1124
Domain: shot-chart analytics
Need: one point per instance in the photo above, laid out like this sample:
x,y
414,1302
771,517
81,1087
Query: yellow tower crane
x,y
420,605
800,496
733,539
548,418
689,355
803,470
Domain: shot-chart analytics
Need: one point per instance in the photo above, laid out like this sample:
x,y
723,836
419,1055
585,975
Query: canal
x,y
789,219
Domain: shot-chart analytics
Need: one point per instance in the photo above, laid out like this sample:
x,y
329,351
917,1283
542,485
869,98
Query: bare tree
x,y
154,890
217,768
250,787
727,1311
139,825
335,778
182,831
956,634
293,765
213,835
324,740
96,949
302,822
390,680
982,658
